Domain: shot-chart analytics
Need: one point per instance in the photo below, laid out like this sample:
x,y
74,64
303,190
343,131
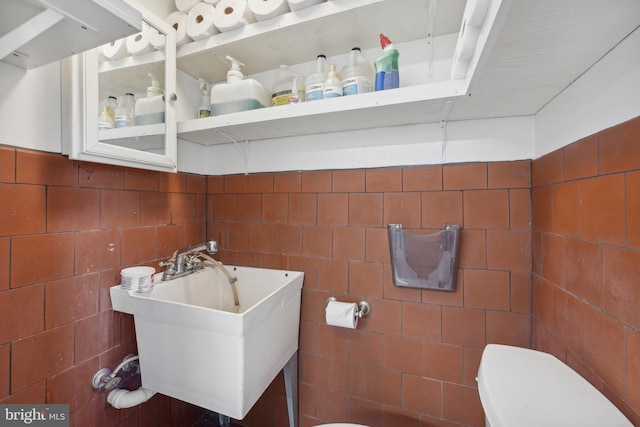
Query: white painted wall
x,y
466,141
606,95
30,107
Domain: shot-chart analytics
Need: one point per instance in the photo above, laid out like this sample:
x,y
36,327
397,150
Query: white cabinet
x,y
426,32
87,82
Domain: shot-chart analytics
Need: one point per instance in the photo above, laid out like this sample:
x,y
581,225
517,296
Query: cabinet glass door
x,y
120,100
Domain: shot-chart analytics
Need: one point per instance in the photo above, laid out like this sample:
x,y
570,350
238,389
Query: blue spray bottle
x,y
387,74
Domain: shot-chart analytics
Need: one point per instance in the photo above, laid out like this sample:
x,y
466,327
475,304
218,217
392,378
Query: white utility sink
x,y
195,347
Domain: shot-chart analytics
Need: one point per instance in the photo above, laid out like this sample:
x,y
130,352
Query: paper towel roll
x,y
267,9
178,21
213,2
342,314
114,50
301,4
186,5
200,21
140,43
232,14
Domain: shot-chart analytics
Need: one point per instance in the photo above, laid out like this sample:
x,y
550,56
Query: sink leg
x,y
291,388
223,420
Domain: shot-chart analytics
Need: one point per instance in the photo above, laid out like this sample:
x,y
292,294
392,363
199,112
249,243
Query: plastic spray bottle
x,y
387,73
314,83
205,102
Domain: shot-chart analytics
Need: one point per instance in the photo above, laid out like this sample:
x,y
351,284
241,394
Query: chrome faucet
x,y
182,261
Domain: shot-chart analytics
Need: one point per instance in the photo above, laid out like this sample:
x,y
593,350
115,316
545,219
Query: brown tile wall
x,y
66,230
413,360
586,260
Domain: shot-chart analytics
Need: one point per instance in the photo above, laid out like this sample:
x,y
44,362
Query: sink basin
x,y
195,347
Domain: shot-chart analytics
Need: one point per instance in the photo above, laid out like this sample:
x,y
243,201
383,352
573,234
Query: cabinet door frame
x,y
80,110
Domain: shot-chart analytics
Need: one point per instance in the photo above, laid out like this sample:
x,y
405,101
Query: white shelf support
x,y
431,21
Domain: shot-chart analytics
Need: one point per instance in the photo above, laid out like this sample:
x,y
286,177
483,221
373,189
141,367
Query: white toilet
x,y
528,388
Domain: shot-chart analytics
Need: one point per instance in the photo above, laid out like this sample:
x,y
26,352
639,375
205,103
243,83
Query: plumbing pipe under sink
x,y
120,398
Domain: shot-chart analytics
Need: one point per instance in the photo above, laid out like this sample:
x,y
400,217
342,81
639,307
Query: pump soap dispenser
x,y
238,94
150,110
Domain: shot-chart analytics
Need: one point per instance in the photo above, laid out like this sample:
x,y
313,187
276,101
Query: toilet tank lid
x,y
528,388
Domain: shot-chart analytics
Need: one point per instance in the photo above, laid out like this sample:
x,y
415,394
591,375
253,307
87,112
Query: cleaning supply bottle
x,y
125,111
357,76
283,86
150,110
332,85
238,94
112,104
387,73
315,82
295,91
104,119
205,102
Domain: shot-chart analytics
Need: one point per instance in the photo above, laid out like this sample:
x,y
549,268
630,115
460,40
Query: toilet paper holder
x,y
363,307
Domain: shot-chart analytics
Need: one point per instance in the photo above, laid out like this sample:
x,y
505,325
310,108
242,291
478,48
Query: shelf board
x,y
38,32
409,105
145,138
330,28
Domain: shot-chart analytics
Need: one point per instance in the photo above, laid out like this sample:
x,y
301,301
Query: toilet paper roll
x,y
213,2
157,39
200,21
342,314
186,5
114,50
267,9
475,12
232,14
178,20
301,4
140,43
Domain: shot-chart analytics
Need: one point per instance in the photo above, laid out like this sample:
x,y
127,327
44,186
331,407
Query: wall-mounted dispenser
x,y
424,261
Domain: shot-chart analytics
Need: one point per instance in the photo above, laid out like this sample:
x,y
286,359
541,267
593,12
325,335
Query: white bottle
x,y
238,94
283,85
124,112
332,85
314,83
357,77
150,110
205,102
112,104
104,119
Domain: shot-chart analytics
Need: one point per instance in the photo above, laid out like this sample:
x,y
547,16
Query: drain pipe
x,y
105,380
121,399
